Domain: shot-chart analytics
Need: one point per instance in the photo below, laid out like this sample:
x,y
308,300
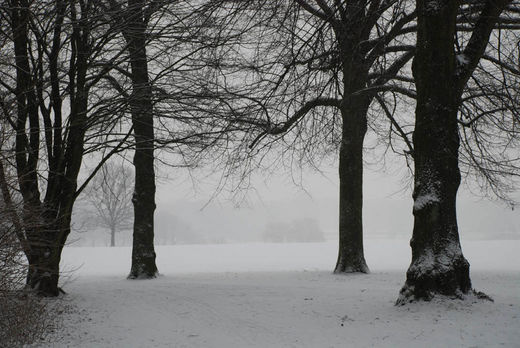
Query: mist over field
x,y
277,204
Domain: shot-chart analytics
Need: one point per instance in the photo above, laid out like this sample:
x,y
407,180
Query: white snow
x,y
424,200
426,187
430,263
462,59
282,295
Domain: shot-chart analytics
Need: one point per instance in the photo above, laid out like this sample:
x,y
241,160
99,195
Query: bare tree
x,y
438,265
162,86
490,112
53,50
110,193
311,72
133,23
323,72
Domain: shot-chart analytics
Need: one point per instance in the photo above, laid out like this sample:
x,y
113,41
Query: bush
x,y
24,318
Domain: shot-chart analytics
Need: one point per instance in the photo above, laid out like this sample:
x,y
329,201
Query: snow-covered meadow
x,y
281,295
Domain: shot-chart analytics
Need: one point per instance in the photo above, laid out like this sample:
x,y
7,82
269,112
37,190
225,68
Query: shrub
x,y
24,318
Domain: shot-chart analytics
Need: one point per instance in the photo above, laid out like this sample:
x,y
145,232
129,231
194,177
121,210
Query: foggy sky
x,y
387,206
189,211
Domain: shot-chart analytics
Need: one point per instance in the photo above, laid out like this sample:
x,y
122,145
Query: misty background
x,y
285,207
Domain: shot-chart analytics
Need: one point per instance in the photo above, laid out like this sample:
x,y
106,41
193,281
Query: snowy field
x,y
282,295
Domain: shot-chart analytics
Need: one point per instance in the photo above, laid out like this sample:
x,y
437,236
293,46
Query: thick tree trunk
x,y
43,278
143,253
354,127
438,265
350,256
43,273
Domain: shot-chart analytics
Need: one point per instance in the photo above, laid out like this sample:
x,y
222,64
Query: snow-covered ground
x,y
282,295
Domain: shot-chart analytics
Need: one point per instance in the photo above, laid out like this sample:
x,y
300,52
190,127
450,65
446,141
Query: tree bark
x,y
438,265
43,274
353,110
43,277
351,256
112,236
143,253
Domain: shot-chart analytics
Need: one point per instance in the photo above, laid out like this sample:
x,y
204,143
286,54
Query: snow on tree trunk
x,y
438,265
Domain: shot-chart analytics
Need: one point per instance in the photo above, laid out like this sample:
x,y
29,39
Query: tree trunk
x,y
43,278
112,236
143,253
438,265
350,256
53,216
354,108
43,274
